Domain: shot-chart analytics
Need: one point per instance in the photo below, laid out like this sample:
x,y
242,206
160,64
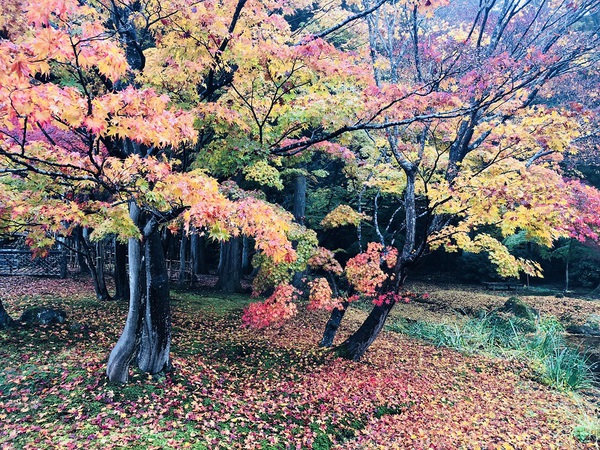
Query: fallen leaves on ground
x,y
234,387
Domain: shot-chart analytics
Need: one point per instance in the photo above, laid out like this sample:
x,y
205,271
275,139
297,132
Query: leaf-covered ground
x,y
239,388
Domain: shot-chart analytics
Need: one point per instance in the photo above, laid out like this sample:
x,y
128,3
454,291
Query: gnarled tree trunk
x,y
155,343
147,332
124,351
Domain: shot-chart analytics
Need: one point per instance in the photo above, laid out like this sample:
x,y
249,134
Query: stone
x,y
519,308
591,327
43,316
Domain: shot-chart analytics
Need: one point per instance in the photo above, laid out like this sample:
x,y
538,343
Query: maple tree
x,y
85,145
466,139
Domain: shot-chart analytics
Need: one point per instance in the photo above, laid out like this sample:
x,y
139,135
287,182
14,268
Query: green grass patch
x,y
539,341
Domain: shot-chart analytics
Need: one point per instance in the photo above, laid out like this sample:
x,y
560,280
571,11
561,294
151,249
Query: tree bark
x,y
182,258
198,255
356,345
147,331
121,279
5,319
333,324
299,208
122,354
94,257
299,212
155,344
230,267
101,290
81,259
246,255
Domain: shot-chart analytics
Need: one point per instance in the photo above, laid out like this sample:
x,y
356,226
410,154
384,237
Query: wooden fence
x,y
20,262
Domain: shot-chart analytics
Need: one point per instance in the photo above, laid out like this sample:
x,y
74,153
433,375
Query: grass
x,y
587,428
541,342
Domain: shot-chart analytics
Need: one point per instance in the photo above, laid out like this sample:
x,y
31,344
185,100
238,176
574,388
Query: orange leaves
x,y
268,225
43,12
141,115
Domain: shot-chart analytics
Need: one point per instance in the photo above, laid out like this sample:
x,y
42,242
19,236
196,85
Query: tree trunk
x,y
122,354
299,211
121,279
95,262
567,259
155,344
246,258
148,327
182,258
299,208
101,289
230,267
333,325
198,255
81,259
356,345
5,319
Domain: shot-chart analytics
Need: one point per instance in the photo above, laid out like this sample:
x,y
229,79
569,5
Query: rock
x,y
519,308
591,327
43,316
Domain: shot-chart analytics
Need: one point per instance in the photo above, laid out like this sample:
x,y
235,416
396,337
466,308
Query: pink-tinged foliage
x,y
275,310
585,203
324,259
336,151
364,270
321,296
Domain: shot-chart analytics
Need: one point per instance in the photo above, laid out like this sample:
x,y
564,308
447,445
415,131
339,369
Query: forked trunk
x,y
356,345
333,324
153,352
147,332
